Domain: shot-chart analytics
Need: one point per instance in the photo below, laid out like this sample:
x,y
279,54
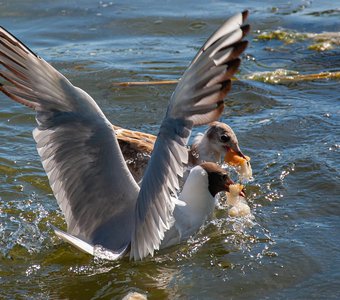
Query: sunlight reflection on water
x,y
289,130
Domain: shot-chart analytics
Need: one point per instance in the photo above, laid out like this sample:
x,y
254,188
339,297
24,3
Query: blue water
x,y
291,131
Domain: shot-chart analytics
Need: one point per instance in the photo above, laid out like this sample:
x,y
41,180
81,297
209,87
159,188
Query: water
x,y
291,131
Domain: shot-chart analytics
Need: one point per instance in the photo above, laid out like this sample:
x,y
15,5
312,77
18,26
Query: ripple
x,y
197,25
325,13
291,7
289,130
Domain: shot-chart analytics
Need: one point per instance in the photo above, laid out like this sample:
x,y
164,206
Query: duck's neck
x,y
202,151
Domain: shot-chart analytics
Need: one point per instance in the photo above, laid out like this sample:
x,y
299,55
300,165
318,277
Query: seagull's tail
x,y
95,250
74,241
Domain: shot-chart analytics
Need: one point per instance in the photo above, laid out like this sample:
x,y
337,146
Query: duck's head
x,y
218,179
222,139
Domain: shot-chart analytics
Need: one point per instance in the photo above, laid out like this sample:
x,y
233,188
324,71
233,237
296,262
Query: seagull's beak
x,y
242,193
227,183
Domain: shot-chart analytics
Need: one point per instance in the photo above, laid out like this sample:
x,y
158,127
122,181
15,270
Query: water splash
x,y
24,224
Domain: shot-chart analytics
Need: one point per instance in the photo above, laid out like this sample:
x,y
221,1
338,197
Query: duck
x,y
103,205
219,144
211,146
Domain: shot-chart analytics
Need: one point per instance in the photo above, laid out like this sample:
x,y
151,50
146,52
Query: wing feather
x,y
198,99
72,128
77,146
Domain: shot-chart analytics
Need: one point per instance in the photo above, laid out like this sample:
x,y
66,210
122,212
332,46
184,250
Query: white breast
x,y
199,207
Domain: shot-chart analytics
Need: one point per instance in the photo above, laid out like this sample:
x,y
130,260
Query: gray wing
x,y
77,146
198,99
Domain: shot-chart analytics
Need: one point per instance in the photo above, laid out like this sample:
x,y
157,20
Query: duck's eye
x,y
224,138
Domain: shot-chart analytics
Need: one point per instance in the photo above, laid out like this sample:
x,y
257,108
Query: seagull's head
x,y
218,179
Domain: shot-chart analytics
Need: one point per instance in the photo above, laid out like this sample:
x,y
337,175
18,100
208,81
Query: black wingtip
x,y
226,86
245,30
234,65
15,40
245,15
239,47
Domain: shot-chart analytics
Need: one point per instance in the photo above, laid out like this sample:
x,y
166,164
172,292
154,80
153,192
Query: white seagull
x,y
102,203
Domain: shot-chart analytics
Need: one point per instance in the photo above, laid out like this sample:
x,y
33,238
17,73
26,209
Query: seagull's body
x,y
102,203
196,204
198,208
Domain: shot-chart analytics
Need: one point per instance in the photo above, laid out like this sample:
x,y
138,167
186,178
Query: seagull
x,y
102,203
207,180
212,146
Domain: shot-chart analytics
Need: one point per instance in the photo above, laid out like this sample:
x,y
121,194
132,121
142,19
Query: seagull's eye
x,y
224,138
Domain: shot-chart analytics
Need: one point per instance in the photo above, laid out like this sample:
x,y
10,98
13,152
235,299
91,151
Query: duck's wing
x,y
139,142
122,133
136,147
77,146
198,99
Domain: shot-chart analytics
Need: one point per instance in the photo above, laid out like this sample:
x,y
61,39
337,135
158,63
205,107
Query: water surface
x,y
291,131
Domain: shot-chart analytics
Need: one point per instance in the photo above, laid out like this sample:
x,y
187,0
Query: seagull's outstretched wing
x,y
77,146
198,99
